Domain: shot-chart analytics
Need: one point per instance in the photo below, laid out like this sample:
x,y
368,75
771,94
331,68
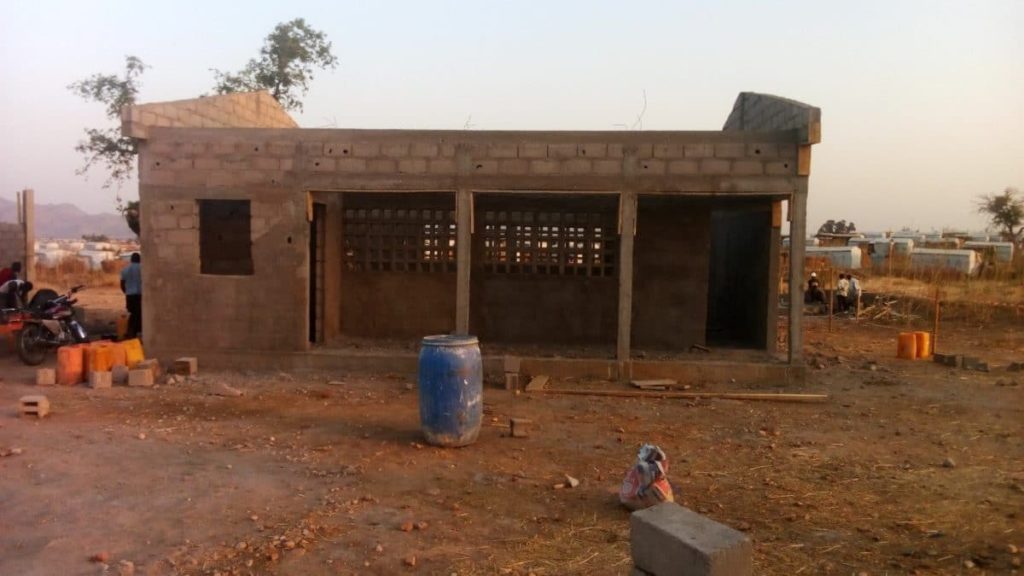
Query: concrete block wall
x,y
239,110
764,112
275,168
355,160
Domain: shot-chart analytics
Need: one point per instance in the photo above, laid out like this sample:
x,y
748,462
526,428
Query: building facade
x,y
261,236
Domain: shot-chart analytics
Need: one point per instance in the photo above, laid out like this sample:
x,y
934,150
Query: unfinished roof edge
x,y
237,110
752,113
766,113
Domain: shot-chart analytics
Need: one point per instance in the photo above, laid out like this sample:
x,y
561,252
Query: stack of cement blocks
x,y
669,540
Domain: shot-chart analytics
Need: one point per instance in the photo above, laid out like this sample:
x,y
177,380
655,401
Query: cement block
x,y
974,363
951,360
46,377
101,379
1015,367
119,374
513,363
187,366
520,427
152,365
669,540
511,381
140,378
35,405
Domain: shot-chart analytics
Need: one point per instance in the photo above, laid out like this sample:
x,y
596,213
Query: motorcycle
x,y
49,326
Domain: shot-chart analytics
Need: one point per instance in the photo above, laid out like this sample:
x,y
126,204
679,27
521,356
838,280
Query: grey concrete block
x,y
670,540
100,380
951,360
1016,367
975,364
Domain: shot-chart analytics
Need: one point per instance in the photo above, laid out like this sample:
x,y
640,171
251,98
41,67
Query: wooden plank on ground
x,y
537,384
656,384
756,396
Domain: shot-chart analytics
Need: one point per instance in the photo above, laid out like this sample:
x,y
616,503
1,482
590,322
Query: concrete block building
x,y
263,240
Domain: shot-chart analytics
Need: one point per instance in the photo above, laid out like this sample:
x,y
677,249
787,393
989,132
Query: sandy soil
x,y
318,473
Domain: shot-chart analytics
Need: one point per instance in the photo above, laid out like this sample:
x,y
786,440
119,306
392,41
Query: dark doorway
x,y
738,278
317,242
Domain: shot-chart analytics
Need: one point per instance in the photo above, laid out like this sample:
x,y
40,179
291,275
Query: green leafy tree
x,y
1005,212
106,146
290,56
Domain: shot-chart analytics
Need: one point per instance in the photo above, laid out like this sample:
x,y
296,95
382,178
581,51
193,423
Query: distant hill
x,y
68,221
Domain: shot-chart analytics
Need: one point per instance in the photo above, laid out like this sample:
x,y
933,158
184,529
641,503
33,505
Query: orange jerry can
x,y
133,352
94,360
70,364
906,346
923,341
118,355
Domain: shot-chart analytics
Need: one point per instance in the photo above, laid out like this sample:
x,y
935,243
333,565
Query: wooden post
x,y
627,218
831,296
797,238
463,245
935,328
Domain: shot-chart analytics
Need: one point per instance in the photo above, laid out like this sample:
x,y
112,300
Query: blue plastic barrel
x,y
451,390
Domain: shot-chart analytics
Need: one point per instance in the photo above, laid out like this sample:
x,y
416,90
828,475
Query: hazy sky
x,y
922,102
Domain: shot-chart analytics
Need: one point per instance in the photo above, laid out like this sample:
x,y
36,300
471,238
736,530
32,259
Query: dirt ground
x,y
909,468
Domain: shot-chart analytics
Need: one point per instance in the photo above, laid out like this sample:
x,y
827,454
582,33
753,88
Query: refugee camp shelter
x,y
268,241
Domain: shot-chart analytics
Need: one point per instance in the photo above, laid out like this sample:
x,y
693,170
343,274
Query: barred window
x,y
528,242
399,240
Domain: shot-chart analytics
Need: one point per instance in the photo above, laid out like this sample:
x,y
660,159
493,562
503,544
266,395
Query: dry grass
x,y
966,291
72,272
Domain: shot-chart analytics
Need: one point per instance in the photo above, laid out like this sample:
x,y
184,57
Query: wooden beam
x,y
767,397
627,216
797,238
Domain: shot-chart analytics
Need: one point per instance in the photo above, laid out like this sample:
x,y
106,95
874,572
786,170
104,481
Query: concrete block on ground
x,y
670,540
513,363
520,427
951,360
141,377
187,366
34,405
974,363
101,379
511,381
152,365
1016,367
46,377
119,374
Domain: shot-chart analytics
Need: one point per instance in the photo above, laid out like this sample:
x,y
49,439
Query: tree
x,y
1005,212
130,211
290,55
840,227
106,146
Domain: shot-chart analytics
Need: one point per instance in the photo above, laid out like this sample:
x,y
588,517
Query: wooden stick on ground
x,y
769,397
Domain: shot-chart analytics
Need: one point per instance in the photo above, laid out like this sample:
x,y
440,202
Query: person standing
x,y
843,293
131,285
12,273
